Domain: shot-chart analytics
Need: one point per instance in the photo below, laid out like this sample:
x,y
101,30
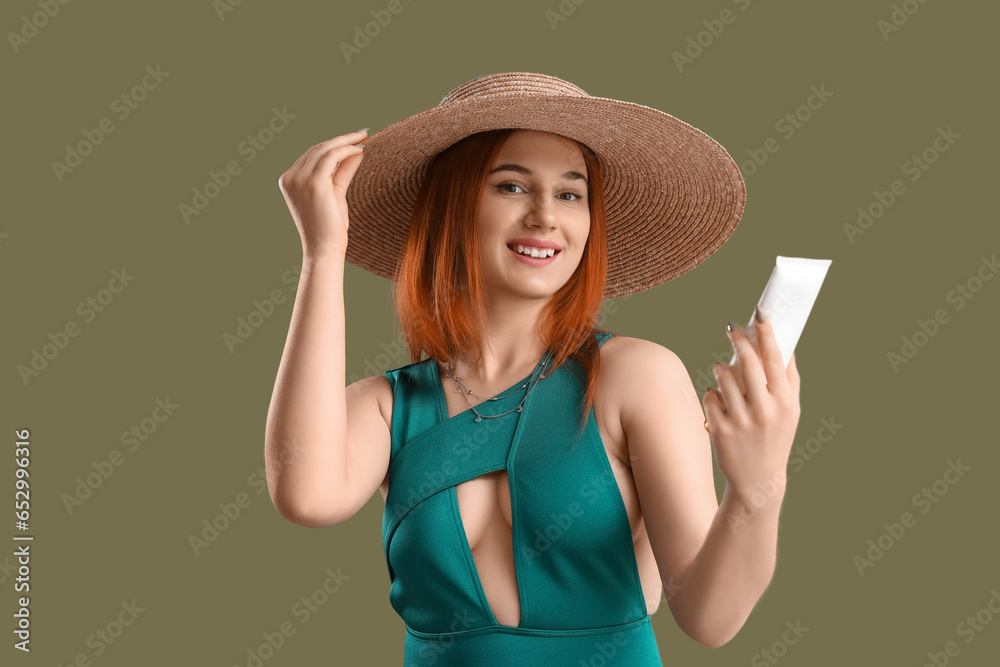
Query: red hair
x,y
442,253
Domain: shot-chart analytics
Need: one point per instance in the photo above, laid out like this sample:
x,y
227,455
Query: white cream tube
x,y
787,300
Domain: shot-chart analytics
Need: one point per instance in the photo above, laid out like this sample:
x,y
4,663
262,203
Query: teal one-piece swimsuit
x,y
577,578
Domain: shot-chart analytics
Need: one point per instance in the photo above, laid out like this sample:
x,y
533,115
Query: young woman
x,y
545,481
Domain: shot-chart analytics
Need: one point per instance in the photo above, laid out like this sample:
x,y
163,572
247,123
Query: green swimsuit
x,y
578,581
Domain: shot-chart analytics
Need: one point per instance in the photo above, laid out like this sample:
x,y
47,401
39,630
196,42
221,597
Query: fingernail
x,y
730,327
758,314
364,129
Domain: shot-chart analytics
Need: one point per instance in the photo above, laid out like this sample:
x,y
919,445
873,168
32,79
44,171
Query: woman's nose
x,y
542,210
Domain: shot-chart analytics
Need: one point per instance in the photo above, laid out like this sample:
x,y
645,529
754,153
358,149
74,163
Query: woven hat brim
x,y
673,194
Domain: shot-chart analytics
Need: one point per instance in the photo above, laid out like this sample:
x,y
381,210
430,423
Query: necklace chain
x,y
480,417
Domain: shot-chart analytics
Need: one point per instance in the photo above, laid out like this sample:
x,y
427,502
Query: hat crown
x,y
512,83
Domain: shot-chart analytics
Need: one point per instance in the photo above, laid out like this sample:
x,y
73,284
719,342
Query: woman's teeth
x,y
533,252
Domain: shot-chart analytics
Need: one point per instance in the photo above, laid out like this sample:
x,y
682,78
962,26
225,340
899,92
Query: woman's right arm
x,y
326,445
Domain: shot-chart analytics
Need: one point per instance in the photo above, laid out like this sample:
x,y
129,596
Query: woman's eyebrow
x,y
566,175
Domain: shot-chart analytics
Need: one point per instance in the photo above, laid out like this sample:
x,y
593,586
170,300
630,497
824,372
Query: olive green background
x,y
163,336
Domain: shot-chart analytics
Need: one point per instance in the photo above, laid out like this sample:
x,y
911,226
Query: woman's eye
x,y
501,187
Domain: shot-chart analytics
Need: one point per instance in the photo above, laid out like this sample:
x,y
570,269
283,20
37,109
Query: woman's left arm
x,y
715,559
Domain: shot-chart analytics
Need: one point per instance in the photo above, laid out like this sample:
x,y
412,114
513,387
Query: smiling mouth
x,y
540,253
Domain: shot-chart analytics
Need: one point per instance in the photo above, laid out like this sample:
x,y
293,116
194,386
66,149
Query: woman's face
x,y
535,195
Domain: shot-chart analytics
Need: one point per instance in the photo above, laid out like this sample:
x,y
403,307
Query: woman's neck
x,y
511,348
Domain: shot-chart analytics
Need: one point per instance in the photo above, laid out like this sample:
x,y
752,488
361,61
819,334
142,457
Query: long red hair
x,y
442,253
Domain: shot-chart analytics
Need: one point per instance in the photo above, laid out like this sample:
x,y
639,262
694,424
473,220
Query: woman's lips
x,y
534,261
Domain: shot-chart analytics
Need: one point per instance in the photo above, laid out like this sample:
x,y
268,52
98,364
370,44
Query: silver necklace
x,y
479,417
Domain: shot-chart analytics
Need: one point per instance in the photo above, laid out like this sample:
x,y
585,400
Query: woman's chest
x,y
485,501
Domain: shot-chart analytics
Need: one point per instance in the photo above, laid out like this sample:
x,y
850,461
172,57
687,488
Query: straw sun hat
x,y
673,195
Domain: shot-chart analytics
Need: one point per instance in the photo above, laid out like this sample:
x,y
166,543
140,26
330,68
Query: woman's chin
x,y
532,290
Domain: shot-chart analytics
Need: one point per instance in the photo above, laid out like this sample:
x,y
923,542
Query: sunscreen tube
x,y
787,300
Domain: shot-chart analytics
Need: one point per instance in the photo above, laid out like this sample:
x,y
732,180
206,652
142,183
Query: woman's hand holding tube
x,y
753,415
752,418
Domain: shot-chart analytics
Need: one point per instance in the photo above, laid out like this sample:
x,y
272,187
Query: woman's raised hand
x,y
315,190
752,424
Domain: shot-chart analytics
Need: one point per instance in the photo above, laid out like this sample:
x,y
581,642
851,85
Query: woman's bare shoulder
x,y
377,389
633,352
374,389
628,362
